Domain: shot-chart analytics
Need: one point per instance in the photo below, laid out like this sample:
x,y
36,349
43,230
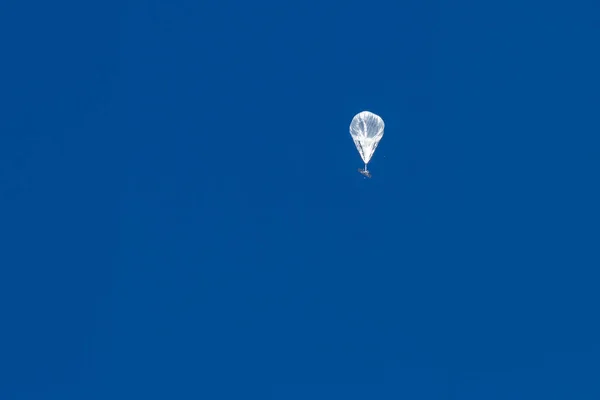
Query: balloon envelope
x,y
366,130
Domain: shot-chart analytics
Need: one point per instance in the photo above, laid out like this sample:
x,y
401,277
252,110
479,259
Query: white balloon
x,y
366,130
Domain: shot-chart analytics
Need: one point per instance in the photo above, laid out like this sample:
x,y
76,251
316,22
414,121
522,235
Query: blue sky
x,y
182,217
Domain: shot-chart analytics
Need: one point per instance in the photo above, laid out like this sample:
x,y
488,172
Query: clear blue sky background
x,y
181,215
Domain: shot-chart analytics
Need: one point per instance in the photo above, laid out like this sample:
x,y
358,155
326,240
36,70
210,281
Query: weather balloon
x,y
366,130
